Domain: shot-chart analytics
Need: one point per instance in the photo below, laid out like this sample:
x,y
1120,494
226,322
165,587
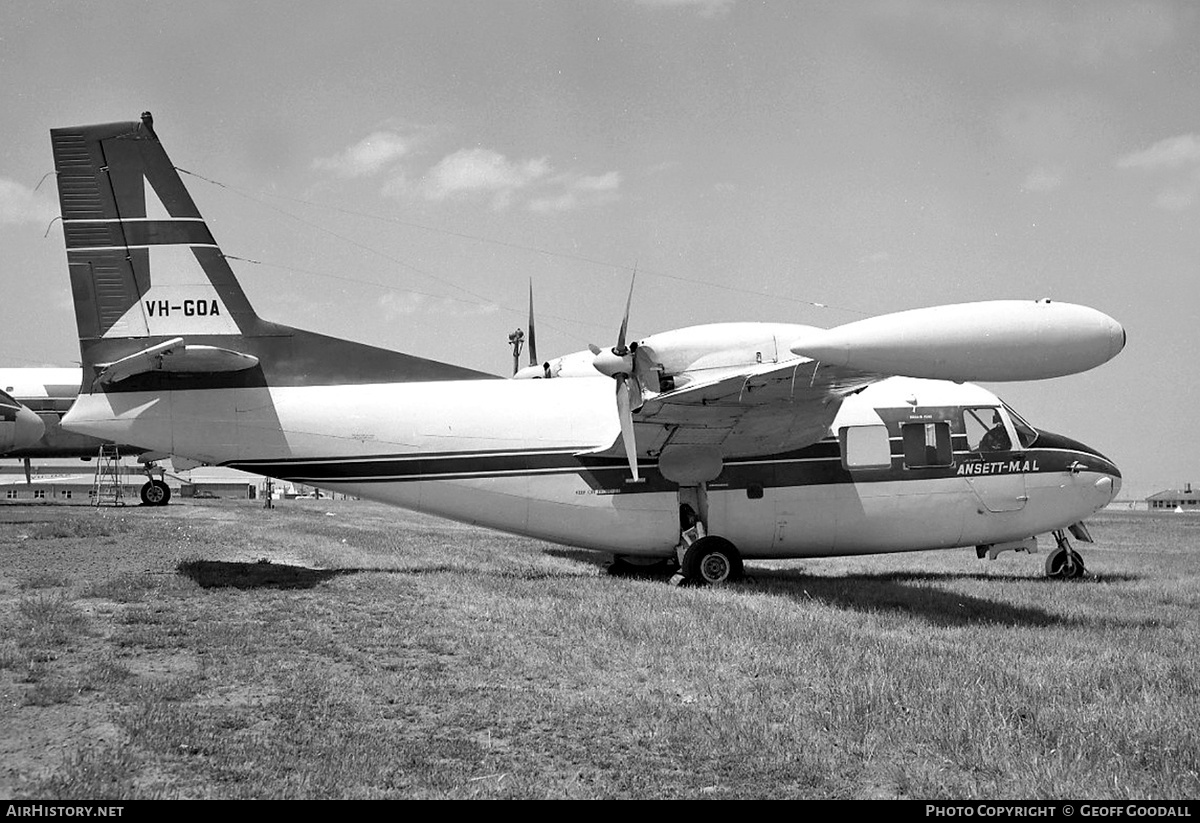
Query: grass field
x,y
213,649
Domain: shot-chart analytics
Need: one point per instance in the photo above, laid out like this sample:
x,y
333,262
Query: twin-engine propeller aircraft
x,y
725,442
45,395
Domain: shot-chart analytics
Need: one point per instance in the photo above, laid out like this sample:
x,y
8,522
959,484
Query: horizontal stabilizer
x,y
996,340
175,357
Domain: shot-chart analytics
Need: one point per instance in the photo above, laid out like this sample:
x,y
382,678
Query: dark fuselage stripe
x,y
805,468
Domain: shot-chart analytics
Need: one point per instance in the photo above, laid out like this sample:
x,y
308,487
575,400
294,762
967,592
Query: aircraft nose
x,y
28,430
20,428
1106,490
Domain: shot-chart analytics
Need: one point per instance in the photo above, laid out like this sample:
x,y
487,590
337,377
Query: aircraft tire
x,y
155,493
1058,567
712,560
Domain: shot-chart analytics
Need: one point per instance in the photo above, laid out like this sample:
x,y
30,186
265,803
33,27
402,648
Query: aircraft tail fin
x,y
143,262
154,294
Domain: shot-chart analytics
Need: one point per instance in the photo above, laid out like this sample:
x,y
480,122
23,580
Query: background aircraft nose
x,y
28,430
19,426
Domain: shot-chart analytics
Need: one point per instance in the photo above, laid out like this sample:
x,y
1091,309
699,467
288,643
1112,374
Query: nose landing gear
x,y
1064,563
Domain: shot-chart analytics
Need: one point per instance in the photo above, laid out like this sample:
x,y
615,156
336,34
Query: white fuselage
x,y
503,454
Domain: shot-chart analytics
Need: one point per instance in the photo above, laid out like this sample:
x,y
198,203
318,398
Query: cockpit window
x,y
985,429
1026,433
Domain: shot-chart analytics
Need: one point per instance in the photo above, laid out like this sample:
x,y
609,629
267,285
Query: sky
x,y
400,172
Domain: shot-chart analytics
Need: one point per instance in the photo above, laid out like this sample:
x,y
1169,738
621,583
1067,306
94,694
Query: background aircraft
x,y
47,395
722,442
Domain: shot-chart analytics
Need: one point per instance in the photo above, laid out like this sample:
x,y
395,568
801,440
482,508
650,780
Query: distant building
x,y
216,481
210,489
1184,499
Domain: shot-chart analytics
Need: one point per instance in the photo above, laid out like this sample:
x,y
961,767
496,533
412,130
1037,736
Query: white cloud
x,y
1042,179
485,175
21,204
576,190
1170,153
481,172
1179,159
372,154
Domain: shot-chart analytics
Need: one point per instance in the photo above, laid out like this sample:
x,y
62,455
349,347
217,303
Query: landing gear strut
x,y
1064,562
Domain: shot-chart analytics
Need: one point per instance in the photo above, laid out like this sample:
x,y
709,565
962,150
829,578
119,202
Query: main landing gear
x,y
701,559
704,559
155,491
711,560
1064,562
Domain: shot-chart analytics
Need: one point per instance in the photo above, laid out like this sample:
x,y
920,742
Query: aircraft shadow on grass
x,y
900,592
909,593
904,592
263,574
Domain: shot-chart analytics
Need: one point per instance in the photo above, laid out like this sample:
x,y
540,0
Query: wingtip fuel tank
x,y
999,340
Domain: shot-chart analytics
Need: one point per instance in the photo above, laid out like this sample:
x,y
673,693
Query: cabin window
x,y
754,491
866,447
927,444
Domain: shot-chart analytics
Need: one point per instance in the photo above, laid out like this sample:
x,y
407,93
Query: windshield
x,y
1026,433
987,429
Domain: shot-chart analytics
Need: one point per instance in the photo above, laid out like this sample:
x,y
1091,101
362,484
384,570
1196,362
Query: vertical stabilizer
x,y
155,296
143,262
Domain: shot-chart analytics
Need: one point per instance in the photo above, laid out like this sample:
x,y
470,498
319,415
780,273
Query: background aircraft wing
x,y
764,410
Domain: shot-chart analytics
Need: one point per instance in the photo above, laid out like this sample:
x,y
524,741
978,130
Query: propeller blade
x,y
533,359
28,473
593,348
626,414
620,349
635,392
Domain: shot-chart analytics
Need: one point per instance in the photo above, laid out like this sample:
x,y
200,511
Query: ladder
x,y
107,488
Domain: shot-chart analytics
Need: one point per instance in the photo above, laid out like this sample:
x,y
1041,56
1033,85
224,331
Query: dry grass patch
x,y
346,650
